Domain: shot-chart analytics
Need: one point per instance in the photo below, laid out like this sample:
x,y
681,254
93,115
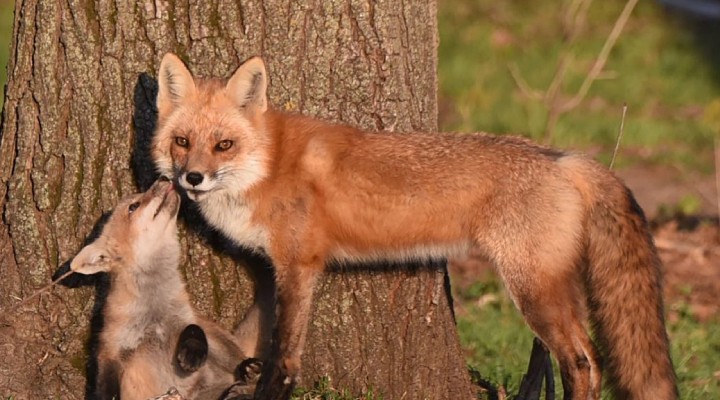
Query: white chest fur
x,y
233,217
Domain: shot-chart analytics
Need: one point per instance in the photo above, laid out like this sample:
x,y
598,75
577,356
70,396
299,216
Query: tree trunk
x,y
77,118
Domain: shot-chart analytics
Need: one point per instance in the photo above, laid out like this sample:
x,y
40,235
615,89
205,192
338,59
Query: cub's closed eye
x,y
132,207
181,141
223,145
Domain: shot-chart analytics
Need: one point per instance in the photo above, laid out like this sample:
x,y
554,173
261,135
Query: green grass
x,y
323,390
498,343
665,72
495,338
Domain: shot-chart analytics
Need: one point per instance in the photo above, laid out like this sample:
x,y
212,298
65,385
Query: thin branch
x,y
558,78
574,18
573,23
619,136
41,290
522,84
602,57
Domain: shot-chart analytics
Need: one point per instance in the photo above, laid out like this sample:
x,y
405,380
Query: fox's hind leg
x,y
553,303
539,370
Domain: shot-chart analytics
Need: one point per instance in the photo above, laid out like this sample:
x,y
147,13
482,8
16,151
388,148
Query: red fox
x,y
566,236
152,338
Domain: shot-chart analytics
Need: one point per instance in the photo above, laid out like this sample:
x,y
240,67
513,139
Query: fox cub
x,y
152,338
566,236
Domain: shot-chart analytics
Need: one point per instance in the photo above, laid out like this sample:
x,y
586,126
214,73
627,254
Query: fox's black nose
x,y
194,178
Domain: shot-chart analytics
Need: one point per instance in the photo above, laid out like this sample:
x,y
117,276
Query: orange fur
x,y
563,231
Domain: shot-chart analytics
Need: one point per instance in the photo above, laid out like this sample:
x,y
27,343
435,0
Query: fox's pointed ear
x,y
248,86
175,84
92,259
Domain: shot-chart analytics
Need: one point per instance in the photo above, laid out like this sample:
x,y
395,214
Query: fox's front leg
x,y
295,286
107,386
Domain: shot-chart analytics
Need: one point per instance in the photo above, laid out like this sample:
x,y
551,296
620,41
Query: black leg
x,y
274,383
539,368
108,383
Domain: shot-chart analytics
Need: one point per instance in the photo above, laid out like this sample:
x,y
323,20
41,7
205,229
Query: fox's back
x,y
384,190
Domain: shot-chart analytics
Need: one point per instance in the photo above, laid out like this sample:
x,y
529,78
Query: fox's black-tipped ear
x,y
175,84
92,259
248,86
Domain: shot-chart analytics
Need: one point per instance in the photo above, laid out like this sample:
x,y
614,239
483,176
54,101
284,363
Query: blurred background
x,y
512,66
561,72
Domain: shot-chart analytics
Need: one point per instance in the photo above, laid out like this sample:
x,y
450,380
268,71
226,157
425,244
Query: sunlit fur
x,y
564,233
147,306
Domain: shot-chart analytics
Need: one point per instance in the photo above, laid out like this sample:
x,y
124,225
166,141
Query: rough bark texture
x,y
77,116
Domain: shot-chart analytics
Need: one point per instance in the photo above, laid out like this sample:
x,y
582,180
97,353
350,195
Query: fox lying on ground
x,y
152,339
564,233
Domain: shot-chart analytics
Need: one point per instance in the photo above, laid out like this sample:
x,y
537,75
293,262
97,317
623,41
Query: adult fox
x,y
564,233
152,339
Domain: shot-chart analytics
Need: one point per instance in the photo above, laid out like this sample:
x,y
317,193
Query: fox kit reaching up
x,y
152,338
564,233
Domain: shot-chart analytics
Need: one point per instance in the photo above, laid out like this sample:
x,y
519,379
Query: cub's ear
x,y
175,84
247,88
92,259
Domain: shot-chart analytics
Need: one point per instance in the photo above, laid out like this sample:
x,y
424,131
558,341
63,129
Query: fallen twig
x,y
37,293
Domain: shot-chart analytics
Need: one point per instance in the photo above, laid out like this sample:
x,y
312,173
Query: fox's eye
x,y
181,141
132,207
223,145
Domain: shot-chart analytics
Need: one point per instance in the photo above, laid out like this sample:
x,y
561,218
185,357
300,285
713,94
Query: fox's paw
x,y
247,374
249,371
192,349
274,384
239,391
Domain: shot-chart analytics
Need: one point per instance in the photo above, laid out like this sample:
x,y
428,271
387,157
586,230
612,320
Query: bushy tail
x,y
625,296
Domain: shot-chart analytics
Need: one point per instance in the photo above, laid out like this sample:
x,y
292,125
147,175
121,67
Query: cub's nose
x,y
194,178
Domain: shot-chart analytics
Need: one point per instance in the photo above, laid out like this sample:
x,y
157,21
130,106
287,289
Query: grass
x,y
498,343
323,390
664,71
696,351
496,340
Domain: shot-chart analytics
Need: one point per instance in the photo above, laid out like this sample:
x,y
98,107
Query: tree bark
x,y
78,113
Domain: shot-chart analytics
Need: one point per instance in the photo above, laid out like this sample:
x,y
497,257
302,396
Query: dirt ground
x,y
689,246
